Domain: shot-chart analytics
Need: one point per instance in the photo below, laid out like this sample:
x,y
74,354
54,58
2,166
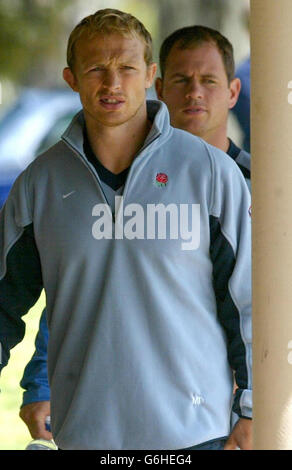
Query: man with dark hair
x,y
199,88
194,36
140,329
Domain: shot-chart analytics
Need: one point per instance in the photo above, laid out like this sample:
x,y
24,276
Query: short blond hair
x,y
110,21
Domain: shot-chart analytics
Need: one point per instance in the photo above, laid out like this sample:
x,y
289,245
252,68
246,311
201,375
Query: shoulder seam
x,y
6,251
212,169
27,193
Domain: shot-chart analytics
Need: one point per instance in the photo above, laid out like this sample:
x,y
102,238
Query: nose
x,y
111,81
194,89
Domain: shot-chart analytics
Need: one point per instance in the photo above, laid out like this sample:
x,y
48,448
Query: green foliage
x,y
30,36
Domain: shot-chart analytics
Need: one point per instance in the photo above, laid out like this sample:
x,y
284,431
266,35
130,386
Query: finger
x,y
38,430
230,444
247,444
43,435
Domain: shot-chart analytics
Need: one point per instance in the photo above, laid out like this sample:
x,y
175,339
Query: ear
x,y
69,77
159,88
234,88
151,71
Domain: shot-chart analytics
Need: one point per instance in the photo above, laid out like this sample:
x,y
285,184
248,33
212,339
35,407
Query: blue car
x,y
34,123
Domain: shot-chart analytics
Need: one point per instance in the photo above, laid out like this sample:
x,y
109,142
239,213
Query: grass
x,y
14,434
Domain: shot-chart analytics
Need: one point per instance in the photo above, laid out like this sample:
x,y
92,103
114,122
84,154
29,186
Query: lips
x,y
195,110
111,102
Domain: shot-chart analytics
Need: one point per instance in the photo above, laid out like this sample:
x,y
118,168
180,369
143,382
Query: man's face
x,y
111,76
195,89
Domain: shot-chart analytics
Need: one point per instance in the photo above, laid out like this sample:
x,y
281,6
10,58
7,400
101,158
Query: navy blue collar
x,y
233,151
111,179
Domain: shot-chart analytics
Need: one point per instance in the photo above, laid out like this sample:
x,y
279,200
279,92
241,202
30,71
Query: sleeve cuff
x,y
242,405
34,395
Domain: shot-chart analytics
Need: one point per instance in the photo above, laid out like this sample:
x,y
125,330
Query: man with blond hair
x,y
143,313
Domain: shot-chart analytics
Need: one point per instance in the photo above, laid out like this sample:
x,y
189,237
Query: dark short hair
x,y
193,36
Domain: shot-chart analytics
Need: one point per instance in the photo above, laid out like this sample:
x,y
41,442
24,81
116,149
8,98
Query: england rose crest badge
x,y
161,180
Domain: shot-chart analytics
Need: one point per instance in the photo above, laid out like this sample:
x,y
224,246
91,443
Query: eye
x,y
96,69
127,67
181,80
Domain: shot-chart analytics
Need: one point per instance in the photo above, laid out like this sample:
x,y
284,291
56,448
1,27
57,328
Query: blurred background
x,y
36,106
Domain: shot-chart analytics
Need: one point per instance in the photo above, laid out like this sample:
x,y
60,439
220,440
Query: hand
x,y
34,416
241,436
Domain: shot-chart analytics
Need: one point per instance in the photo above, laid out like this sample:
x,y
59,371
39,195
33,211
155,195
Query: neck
x,y
117,146
219,139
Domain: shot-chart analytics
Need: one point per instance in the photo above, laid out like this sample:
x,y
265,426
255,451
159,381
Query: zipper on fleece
x,y
96,177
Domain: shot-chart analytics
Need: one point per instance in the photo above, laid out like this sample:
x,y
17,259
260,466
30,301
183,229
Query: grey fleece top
x,y
147,312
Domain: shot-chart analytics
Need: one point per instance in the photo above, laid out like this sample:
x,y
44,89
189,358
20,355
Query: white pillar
x,y
271,53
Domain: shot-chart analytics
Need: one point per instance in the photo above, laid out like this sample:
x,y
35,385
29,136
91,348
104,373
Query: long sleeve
x,y
20,269
230,251
35,377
